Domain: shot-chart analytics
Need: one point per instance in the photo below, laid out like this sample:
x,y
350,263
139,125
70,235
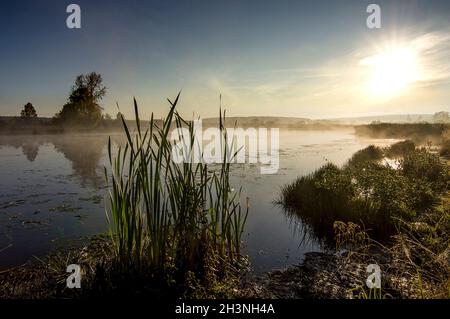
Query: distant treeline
x,y
36,125
275,122
42,125
419,132
81,112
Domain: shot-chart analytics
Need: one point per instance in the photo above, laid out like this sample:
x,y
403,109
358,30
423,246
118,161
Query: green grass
x,y
371,293
367,193
174,221
445,149
400,149
369,154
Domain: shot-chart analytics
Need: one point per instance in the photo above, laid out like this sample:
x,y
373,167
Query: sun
x,y
392,71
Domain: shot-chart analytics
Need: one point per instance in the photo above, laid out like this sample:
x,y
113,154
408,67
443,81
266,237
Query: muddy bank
x,y
46,277
342,276
319,276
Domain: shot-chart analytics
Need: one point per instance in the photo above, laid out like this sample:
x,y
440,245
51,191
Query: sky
x,y
315,59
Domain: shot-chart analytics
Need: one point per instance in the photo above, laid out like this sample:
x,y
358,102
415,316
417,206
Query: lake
x,y
52,192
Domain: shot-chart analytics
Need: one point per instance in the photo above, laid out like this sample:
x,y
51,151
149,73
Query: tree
x,y
83,105
441,117
28,111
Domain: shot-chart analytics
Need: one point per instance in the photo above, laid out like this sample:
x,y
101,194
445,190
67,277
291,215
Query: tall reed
x,y
165,214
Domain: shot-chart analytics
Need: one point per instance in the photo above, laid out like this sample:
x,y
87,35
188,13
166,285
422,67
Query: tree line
x,y
83,104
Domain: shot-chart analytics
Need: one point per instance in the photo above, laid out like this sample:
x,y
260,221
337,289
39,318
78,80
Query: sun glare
x,y
392,71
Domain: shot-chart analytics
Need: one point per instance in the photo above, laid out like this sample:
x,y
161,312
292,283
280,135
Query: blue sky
x,y
281,58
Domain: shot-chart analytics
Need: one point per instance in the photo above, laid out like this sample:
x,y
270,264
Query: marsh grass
x,y
329,195
371,153
174,221
367,193
370,293
400,149
445,149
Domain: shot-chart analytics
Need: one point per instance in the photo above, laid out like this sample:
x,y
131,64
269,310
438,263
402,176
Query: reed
x,y
165,216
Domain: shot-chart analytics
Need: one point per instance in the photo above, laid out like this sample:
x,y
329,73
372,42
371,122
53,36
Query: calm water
x,y
52,191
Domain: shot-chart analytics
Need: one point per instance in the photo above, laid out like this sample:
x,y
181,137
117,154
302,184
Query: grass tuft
x,y
182,221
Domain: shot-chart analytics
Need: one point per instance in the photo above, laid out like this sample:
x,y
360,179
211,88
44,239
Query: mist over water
x,y
52,192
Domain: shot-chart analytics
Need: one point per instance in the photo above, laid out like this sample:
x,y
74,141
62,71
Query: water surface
x,y
52,191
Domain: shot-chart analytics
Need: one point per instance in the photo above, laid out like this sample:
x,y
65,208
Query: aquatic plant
x,y
367,193
425,167
400,149
369,154
445,148
370,293
169,219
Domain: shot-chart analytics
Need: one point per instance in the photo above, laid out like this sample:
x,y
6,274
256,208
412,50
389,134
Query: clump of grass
x,y
350,235
369,154
370,293
367,193
332,194
445,149
178,222
400,149
426,167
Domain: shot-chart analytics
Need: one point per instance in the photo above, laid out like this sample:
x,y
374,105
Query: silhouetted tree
x,y
441,117
28,111
84,97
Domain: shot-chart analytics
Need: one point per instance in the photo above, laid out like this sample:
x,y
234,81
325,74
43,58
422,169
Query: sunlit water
x,y
52,192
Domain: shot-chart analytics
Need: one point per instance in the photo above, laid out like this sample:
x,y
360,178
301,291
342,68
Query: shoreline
x,y
321,275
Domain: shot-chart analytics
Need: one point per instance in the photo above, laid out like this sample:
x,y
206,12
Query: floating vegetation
x,y
64,209
95,199
80,216
33,222
13,203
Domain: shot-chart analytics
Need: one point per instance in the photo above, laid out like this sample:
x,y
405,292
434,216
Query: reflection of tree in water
x,y
30,145
85,153
30,150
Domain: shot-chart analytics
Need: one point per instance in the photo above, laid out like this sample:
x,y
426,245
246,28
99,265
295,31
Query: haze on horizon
x,y
266,58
